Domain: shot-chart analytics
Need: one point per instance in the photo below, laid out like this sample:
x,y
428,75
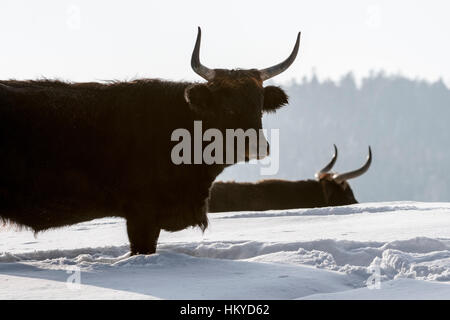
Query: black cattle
x,y
330,189
73,152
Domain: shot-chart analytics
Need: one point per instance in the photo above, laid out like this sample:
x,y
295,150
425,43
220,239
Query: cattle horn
x,y
354,174
330,165
279,68
201,70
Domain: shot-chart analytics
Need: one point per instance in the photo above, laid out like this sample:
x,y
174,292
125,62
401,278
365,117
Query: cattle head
x,y
236,99
336,189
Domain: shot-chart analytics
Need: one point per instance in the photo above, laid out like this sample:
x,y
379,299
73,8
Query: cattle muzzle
x,y
257,152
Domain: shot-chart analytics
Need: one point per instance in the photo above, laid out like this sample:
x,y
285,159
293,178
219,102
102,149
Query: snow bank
x,y
392,290
246,255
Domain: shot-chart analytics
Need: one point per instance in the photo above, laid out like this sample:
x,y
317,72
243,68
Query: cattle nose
x,y
262,154
257,149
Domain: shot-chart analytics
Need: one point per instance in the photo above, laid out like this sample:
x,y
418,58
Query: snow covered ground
x,y
395,250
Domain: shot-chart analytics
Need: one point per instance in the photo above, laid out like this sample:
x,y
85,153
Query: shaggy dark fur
x,y
279,194
72,152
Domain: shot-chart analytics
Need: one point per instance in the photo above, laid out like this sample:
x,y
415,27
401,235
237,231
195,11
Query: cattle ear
x,y
199,97
274,98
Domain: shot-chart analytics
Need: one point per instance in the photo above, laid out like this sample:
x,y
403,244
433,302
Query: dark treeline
x,y
405,121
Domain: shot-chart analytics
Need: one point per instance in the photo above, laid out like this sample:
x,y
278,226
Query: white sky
x,y
84,41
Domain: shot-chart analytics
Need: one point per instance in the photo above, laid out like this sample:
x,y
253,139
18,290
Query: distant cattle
x,y
330,189
73,152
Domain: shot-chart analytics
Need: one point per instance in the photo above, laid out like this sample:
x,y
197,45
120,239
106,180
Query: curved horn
x,y
330,165
201,70
279,68
354,174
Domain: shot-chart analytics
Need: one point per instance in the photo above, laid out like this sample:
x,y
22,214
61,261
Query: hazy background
x,y
402,112
405,121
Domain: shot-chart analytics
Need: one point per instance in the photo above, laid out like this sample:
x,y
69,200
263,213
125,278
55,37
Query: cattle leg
x,y
143,236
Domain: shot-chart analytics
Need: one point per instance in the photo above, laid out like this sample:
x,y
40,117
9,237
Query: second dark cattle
x,y
330,189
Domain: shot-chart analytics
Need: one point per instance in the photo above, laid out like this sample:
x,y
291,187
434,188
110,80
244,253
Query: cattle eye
x,y
198,97
274,98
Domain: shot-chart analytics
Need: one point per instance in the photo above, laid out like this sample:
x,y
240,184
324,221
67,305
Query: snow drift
x,y
327,253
